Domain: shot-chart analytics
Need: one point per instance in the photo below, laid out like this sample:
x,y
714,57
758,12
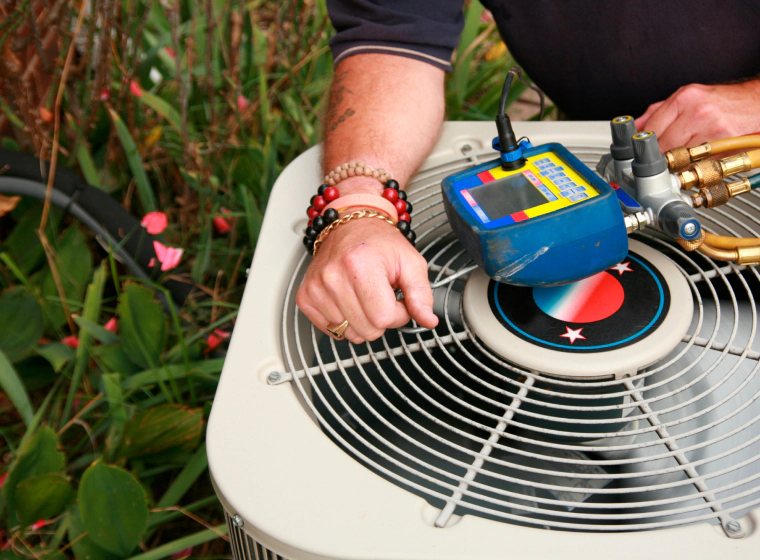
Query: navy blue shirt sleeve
x,y
426,30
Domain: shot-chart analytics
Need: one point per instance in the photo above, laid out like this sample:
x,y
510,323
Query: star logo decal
x,y
573,334
622,267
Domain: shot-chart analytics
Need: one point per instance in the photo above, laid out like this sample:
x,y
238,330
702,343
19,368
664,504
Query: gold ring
x,y
337,330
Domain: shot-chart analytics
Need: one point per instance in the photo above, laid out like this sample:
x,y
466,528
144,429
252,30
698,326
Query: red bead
x,y
330,194
312,212
319,203
309,224
404,217
400,206
390,195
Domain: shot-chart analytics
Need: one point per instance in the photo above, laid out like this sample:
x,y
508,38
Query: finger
x,y
679,133
663,117
378,299
325,314
418,297
641,122
351,309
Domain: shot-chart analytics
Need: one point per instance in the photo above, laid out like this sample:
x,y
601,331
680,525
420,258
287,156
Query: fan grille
x,y
441,415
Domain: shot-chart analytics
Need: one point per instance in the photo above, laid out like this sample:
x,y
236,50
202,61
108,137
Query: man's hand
x,y
354,275
696,113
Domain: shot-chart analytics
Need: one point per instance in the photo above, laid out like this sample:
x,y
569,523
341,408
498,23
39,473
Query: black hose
x,y
20,175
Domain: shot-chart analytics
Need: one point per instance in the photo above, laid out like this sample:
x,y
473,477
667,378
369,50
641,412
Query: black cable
x,y
24,187
517,71
95,208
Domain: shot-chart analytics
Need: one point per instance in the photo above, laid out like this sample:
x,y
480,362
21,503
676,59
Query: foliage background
x,y
193,109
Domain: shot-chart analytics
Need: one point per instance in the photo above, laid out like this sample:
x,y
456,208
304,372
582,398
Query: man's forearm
x,y
384,110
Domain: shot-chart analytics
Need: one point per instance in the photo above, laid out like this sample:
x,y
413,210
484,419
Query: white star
x,y
622,267
573,335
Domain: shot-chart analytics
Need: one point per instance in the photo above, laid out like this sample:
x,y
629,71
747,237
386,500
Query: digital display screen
x,y
506,196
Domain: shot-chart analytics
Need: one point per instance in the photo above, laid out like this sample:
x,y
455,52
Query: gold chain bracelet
x,y
344,220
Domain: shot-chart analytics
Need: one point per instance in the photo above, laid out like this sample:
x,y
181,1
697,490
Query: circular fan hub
x,y
614,323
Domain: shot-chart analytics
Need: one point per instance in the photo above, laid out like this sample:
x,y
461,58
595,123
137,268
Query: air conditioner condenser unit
x,y
617,417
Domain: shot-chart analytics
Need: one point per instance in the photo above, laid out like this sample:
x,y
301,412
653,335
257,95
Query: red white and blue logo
x,y
610,310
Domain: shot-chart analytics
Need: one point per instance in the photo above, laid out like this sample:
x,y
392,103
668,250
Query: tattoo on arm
x,y
336,114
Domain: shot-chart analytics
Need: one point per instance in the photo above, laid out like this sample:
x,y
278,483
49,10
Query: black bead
x,y
311,233
318,223
391,184
411,236
403,227
310,246
408,207
321,189
402,195
311,201
330,215
307,242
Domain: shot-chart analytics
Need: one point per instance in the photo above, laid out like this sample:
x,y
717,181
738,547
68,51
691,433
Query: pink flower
x,y
169,257
134,89
155,222
112,325
215,339
170,52
242,103
72,341
39,525
105,95
222,224
184,553
152,262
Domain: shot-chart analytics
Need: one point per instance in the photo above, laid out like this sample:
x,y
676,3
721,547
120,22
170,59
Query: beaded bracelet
x,y
327,194
355,169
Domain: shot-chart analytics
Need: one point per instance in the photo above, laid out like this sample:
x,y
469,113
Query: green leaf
x,y
24,245
96,331
144,189
113,359
74,264
14,388
194,468
164,109
20,323
206,367
170,548
42,497
113,508
162,430
83,546
115,399
36,373
39,455
142,325
57,354
90,313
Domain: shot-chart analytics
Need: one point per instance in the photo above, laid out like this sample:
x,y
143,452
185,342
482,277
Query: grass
x,y
193,109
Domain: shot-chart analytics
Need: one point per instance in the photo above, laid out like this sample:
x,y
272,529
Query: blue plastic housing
x,y
556,248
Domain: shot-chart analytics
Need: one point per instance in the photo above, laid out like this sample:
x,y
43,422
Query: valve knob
x,y
623,129
647,158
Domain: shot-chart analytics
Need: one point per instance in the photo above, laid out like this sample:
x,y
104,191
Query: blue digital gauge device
x,y
547,220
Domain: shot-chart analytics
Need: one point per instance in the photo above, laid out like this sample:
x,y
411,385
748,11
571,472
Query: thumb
x,y
418,297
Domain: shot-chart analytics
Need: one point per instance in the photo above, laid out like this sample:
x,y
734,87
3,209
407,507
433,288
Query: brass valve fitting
x,y
735,164
710,172
678,158
748,255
